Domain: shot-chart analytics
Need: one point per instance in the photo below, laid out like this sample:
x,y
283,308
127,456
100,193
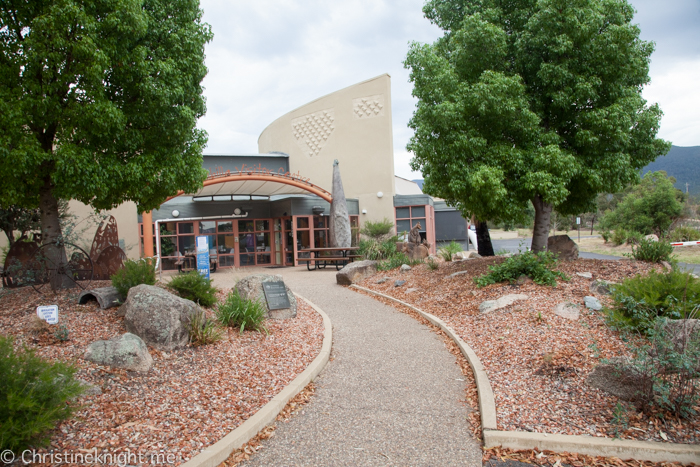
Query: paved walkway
x,y
391,395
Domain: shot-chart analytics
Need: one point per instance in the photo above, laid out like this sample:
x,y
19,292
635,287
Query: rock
x,y
412,289
459,273
432,258
356,271
619,379
127,351
399,283
567,310
652,237
405,268
562,246
600,287
473,254
251,288
157,316
382,280
107,297
522,280
592,303
90,389
667,266
414,251
338,219
460,256
507,300
586,275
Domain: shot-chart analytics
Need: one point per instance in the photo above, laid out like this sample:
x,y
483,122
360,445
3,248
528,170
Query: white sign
x,y
202,244
578,221
48,313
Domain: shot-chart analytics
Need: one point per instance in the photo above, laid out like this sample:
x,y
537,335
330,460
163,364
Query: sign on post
x,y
48,313
203,256
276,295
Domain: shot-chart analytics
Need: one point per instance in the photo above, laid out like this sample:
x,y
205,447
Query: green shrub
x,y
134,273
203,331
378,229
633,238
448,250
237,311
651,251
639,301
685,234
606,235
537,266
619,236
375,250
194,286
396,261
34,395
432,263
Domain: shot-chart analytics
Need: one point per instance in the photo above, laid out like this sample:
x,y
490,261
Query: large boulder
x,y
127,351
251,288
562,246
619,379
355,272
158,317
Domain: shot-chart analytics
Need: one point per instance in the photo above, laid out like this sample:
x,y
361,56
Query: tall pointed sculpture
x,y
339,219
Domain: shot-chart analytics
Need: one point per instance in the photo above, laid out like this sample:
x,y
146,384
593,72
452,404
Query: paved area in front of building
x,y
391,395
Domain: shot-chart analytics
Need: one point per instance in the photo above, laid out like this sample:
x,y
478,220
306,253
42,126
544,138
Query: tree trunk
x,y
543,213
483,239
55,257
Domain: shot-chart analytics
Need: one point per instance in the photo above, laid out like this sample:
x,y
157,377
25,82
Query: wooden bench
x,y
320,261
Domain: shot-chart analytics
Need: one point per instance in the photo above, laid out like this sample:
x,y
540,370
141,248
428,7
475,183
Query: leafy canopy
x,y
531,100
99,100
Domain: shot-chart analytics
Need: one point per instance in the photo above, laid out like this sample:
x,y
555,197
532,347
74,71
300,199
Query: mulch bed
x,y
190,399
537,362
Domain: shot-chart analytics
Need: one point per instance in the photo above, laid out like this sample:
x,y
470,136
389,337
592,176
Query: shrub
x,y
432,263
395,261
651,251
194,286
639,301
378,229
448,250
633,238
375,250
134,273
685,234
203,331
34,395
619,236
237,311
606,235
537,266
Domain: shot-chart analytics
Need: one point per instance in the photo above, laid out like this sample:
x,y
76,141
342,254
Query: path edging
x,y
520,440
222,449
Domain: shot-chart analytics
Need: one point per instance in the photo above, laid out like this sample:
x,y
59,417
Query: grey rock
x,y
412,289
90,389
399,283
458,273
586,275
667,266
504,301
473,254
459,256
600,287
592,303
158,317
354,272
563,246
522,280
405,268
619,379
382,280
567,310
339,220
127,351
107,297
652,237
251,288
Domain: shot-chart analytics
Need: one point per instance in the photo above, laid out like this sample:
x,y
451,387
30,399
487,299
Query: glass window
x,y
225,261
287,224
247,242
302,222
226,226
167,246
206,227
185,227
402,226
320,222
320,239
418,211
245,226
262,225
278,225
262,241
415,222
186,245
403,213
265,258
227,244
167,228
303,240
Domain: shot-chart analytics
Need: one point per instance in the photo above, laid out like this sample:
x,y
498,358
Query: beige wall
x,y
86,222
352,125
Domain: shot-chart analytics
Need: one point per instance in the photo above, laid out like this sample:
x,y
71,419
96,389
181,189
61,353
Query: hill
x,y
682,163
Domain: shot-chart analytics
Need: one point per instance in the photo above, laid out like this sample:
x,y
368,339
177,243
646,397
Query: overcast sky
x,y
270,57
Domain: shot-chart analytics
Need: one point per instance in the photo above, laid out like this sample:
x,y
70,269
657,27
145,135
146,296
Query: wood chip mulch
x,y
190,399
537,362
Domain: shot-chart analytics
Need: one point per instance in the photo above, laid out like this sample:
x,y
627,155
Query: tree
x,y
99,102
531,100
652,206
14,219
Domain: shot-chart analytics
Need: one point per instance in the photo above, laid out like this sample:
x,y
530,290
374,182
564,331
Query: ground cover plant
x,y
396,260
685,234
132,274
194,286
540,267
448,250
237,311
652,251
378,229
203,330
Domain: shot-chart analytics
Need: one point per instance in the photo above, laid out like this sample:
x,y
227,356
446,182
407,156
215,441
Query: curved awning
x,y
256,184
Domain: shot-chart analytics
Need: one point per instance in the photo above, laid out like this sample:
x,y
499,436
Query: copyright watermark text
x,y
82,457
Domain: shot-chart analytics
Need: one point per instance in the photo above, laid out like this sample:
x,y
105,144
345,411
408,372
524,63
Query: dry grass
x,y
684,254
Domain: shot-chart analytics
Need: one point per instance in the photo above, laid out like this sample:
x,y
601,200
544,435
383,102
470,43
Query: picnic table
x,y
321,257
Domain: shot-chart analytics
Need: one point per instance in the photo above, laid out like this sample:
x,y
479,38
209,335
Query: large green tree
x,y
534,100
99,101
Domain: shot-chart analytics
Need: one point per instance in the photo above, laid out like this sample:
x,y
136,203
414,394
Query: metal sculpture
x,y
58,264
13,270
105,253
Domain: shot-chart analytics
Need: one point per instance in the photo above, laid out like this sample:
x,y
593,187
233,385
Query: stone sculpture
x,y
340,233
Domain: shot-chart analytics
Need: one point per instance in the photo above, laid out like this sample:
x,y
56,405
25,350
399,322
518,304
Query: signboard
x,y
578,221
48,313
276,295
203,256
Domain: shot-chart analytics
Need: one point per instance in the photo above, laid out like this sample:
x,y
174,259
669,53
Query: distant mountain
x,y
682,163
419,182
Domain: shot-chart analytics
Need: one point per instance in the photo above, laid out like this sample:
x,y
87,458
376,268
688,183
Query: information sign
x,y
203,256
276,295
578,221
48,313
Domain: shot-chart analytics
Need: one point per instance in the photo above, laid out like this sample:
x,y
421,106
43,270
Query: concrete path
x,y
391,395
